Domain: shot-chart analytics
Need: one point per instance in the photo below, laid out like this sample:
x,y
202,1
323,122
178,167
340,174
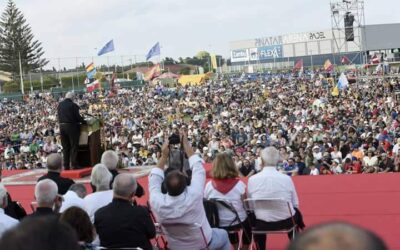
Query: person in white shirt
x,y
74,197
6,222
269,183
314,170
101,179
225,185
180,211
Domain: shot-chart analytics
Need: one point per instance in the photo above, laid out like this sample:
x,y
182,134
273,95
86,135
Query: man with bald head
x,y
70,120
337,236
54,167
122,224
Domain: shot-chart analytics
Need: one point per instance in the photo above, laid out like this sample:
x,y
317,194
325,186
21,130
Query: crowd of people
x,y
316,132
72,216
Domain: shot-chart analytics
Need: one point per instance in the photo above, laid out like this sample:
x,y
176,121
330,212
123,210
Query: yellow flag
x,y
335,91
214,61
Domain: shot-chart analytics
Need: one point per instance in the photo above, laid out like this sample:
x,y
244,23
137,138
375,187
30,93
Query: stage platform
x,y
372,201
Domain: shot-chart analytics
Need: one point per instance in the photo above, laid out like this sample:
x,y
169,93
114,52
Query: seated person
x,y
227,186
110,159
6,222
121,224
79,220
247,169
54,166
269,183
47,198
74,197
100,178
42,233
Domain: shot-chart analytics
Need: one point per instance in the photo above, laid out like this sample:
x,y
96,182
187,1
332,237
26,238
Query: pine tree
x,y
16,39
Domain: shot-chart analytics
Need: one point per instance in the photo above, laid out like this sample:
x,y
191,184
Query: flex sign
x,y
270,52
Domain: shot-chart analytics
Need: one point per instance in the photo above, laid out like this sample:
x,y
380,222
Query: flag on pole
x,y
328,66
375,59
154,51
345,60
343,83
92,86
107,48
298,65
152,73
90,71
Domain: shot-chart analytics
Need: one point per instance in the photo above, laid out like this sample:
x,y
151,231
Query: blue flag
x,y
153,51
107,48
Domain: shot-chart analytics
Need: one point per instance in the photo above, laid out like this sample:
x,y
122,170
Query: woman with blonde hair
x,y
226,185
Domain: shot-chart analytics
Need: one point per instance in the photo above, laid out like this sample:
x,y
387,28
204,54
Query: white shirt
x,y
71,199
97,200
6,222
269,183
314,171
186,208
234,197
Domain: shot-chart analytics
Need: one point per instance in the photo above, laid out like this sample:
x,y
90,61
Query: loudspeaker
x,y
348,27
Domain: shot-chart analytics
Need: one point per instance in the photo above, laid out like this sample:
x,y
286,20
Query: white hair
x,y
124,185
270,156
110,159
46,192
101,177
70,95
3,196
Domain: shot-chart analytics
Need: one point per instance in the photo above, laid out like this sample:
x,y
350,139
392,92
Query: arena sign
x,y
306,37
268,41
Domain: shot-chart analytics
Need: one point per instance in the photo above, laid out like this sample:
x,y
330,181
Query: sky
x,y
72,30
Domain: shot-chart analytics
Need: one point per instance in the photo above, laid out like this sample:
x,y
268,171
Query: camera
x,y
174,139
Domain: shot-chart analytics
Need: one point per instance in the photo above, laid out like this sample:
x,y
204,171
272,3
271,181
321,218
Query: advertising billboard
x,y
239,55
270,52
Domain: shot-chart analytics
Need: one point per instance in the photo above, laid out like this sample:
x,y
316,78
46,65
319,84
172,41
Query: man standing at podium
x,y
70,120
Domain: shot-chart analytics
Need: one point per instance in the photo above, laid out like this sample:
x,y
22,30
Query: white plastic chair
x,y
180,230
268,205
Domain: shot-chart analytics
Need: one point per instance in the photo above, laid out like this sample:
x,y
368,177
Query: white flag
x,y
343,82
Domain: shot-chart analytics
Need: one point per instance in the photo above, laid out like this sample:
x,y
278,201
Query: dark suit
x,y
121,224
42,211
63,184
69,119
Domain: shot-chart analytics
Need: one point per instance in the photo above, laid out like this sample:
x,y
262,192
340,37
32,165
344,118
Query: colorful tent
x,y
192,79
168,75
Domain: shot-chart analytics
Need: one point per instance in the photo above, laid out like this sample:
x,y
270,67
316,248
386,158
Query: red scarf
x,y
224,185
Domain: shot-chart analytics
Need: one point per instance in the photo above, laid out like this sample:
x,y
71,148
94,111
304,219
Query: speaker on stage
x,y
348,27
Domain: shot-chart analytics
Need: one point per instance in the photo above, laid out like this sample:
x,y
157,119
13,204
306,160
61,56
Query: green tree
x,y
17,40
202,54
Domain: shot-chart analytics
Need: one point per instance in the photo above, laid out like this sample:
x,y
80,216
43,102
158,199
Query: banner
x,y
239,55
214,61
270,52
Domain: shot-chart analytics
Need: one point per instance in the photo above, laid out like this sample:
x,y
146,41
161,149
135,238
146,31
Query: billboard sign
x,y
239,55
270,52
306,37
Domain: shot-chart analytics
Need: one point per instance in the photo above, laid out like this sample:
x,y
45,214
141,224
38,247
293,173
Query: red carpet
x,y
371,201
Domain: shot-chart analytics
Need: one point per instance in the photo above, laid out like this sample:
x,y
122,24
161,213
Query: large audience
x,y
267,130
317,133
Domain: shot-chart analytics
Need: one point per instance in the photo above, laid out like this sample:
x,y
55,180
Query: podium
x,y
89,151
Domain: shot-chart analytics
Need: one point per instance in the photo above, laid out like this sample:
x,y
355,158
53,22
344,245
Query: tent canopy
x,y
192,79
168,75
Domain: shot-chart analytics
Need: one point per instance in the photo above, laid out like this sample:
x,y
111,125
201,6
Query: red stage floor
x,y
371,201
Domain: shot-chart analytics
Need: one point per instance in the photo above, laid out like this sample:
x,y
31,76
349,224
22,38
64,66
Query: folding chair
x,y
268,205
184,232
159,232
224,204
